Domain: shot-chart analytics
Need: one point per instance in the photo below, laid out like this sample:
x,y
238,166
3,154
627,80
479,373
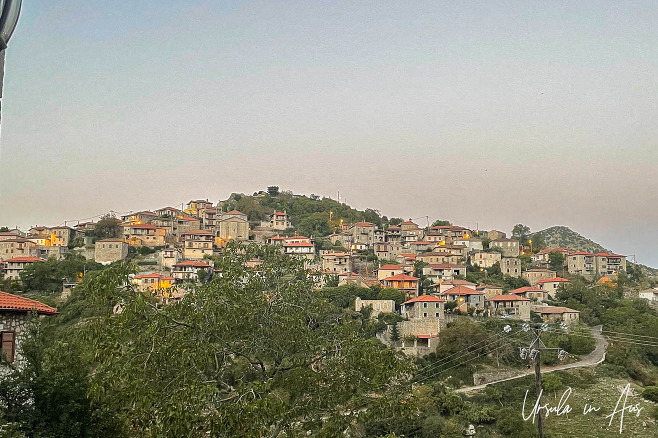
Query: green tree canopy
x,y
250,353
521,233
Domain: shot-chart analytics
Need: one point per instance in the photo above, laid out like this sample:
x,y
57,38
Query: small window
x,y
8,345
425,315
436,314
424,304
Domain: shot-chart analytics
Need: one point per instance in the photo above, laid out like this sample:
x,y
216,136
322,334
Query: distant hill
x,y
564,236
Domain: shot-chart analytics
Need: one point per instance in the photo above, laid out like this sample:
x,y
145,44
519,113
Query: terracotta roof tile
x,y
17,303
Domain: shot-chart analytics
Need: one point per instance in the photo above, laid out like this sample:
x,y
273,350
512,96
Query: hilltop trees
x,y
521,233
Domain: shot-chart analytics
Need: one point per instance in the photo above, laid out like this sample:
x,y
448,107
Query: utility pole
x,y
534,353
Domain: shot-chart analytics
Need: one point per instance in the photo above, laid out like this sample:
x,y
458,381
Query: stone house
x,y
280,221
153,282
534,276
14,266
485,259
465,297
110,250
420,246
232,226
18,247
510,247
387,250
556,313
363,232
530,292
190,269
443,271
336,262
197,244
489,290
410,232
301,249
423,306
169,257
551,285
443,286
435,257
581,263
610,264
510,266
207,218
387,271
14,314
496,235
141,217
511,306
55,236
143,235
377,306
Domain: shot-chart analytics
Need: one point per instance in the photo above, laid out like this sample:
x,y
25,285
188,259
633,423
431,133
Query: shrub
x,y
651,393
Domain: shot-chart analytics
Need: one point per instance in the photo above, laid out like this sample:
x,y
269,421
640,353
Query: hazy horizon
x,y
494,113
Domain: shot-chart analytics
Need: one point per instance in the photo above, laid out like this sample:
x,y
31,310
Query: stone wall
x,y
16,322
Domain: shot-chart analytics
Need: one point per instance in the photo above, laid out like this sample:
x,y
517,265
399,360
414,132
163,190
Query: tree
x,y
4,229
273,191
394,221
521,233
49,276
107,227
538,242
438,223
246,342
556,261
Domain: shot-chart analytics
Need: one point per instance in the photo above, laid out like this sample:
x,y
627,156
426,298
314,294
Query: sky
x,y
481,113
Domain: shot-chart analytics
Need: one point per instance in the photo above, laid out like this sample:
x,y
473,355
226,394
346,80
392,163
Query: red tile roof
x,y
148,276
525,289
461,290
554,309
295,237
16,303
444,266
605,254
305,244
459,282
408,223
24,260
194,263
235,212
553,280
508,297
425,299
580,253
401,277
364,224
390,267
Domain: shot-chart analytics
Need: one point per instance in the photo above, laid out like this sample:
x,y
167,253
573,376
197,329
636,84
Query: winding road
x,y
594,358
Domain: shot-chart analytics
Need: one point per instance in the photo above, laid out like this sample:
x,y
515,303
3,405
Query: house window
x,y
8,345
424,304
425,315
436,314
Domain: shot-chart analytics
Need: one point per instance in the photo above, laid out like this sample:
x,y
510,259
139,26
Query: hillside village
x,y
435,271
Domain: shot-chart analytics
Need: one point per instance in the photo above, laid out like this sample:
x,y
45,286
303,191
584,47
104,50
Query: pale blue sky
x,y
492,112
